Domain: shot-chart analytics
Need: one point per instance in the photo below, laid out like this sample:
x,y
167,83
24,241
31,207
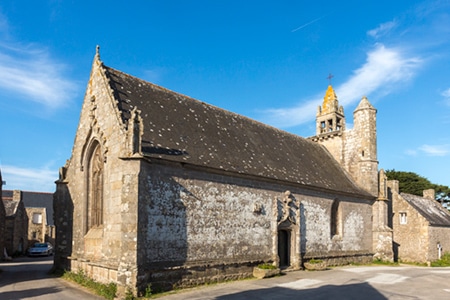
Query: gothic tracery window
x,y
95,189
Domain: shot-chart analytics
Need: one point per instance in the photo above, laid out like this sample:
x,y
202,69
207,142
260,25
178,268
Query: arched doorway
x,y
284,246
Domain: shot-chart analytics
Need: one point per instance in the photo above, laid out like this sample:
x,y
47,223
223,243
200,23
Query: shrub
x,y
148,291
443,262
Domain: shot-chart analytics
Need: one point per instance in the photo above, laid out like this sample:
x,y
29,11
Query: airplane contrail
x,y
309,23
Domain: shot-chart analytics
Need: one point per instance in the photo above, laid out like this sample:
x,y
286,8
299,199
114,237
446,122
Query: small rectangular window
x,y
37,218
403,218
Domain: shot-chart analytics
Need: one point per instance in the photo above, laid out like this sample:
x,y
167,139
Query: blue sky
x,y
267,60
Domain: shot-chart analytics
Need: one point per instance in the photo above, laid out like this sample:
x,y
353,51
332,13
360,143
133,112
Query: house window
x,y
34,235
37,218
403,218
95,189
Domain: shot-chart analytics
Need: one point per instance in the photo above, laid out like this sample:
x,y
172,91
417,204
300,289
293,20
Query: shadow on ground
x,y
345,292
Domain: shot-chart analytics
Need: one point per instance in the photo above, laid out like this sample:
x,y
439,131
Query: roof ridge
x,y
34,192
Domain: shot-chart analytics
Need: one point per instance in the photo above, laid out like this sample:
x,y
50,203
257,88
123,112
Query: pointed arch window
x,y
336,219
95,188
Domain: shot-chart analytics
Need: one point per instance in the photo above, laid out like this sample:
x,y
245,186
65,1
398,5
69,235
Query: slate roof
x,y
35,199
430,209
182,129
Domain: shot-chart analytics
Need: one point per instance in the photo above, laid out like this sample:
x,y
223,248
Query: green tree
x,y
414,184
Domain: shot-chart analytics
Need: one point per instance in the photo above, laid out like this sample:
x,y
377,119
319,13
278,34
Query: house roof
x,y
181,129
430,209
35,199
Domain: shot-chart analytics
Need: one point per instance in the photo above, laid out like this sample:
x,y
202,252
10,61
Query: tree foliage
x,y
414,184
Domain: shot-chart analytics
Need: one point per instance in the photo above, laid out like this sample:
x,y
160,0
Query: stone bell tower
x,y
330,125
355,149
362,160
330,116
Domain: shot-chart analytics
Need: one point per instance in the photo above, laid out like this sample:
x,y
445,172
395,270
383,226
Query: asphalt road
x,y
343,283
29,278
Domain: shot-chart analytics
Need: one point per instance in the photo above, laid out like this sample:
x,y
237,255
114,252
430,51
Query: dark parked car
x,y
41,249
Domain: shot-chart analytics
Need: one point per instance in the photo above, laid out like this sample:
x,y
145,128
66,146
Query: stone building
x,y
421,226
2,222
167,190
16,225
37,225
39,208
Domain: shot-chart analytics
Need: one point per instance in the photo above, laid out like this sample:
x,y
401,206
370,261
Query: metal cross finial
x,y
329,77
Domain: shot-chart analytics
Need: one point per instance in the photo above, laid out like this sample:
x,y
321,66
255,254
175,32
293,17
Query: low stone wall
x,y
341,259
97,272
189,276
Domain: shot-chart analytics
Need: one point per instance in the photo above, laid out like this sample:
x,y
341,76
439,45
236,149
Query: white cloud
x,y
384,68
381,73
382,29
411,152
435,150
30,72
446,95
39,180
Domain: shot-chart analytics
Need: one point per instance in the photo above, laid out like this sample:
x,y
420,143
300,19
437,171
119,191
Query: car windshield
x,y
40,245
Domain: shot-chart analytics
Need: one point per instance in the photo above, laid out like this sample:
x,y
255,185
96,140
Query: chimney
x,y
393,185
17,195
429,194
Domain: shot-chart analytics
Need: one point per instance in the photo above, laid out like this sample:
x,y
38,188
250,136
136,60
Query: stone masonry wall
x,y
197,227
334,144
438,235
36,228
361,150
410,239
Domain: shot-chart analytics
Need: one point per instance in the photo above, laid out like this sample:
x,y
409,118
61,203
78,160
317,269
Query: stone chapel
x,y
166,190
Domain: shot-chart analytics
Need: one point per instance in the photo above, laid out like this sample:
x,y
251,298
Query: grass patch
x,y
105,290
443,262
315,261
384,262
417,264
267,266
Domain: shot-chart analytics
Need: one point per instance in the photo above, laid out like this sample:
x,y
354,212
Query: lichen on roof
x,y
182,129
430,209
329,101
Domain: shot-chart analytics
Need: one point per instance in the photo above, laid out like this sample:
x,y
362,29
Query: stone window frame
x,y
336,230
94,186
403,218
